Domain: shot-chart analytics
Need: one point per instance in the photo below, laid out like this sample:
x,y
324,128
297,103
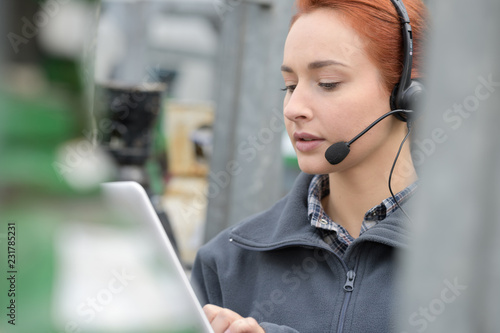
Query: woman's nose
x,y
297,105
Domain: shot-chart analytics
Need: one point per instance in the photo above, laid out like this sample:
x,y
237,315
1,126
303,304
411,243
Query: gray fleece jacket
x,y
276,268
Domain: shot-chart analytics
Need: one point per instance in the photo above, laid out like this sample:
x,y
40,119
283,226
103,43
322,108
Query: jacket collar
x,y
286,224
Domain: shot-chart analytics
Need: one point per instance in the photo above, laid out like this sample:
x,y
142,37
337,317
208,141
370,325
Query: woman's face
x,y
333,92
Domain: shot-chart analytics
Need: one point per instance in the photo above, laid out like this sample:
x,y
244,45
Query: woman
x,y
323,258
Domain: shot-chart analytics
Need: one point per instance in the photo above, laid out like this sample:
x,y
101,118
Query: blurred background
x,y
210,152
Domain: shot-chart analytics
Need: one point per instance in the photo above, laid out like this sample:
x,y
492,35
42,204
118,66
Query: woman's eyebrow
x,y
315,65
324,63
287,69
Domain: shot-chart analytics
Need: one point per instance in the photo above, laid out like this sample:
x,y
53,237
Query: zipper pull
x,y
349,284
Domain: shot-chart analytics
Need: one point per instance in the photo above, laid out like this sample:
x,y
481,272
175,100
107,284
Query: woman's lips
x,y
305,142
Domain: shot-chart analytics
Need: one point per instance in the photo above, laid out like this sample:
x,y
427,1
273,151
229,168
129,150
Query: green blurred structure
x,y
36,119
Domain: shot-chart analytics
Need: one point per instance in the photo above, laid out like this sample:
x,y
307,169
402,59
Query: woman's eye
x,y
329,85
289,88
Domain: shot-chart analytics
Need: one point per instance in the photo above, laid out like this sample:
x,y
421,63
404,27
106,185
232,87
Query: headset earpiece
x,y
407,92
408,100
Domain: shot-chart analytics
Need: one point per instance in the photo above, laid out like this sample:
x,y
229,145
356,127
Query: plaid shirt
x,y
334,234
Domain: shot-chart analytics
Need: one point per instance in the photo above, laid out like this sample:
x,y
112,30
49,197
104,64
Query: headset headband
x,y
405,80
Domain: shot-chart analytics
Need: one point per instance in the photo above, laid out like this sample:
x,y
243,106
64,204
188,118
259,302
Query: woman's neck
x,y
355,191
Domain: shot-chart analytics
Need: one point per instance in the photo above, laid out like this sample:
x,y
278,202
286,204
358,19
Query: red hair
x,y
379,25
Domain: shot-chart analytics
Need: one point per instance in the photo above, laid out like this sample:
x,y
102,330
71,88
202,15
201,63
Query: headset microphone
x,y
337,152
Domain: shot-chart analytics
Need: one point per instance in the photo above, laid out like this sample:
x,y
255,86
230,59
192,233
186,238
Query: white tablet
x,y
118,271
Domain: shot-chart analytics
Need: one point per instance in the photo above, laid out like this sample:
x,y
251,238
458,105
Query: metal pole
x,y
450,275
246,169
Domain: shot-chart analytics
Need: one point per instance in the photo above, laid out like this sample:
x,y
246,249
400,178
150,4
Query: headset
x,y
407,92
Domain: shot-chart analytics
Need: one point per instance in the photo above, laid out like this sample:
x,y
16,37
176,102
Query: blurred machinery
x,y
131,114
129,100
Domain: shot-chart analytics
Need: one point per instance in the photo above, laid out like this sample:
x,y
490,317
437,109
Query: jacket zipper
x,y
348,287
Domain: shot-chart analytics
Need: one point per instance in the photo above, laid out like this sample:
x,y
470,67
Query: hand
x,y
227,321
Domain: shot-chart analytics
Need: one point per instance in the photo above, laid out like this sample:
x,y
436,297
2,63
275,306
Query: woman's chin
x,y
315,166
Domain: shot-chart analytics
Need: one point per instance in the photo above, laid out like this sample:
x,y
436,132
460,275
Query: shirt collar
x,y
283,225
320,187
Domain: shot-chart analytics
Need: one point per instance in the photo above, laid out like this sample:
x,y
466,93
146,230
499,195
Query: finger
x,y
223,320
211,311
245,325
